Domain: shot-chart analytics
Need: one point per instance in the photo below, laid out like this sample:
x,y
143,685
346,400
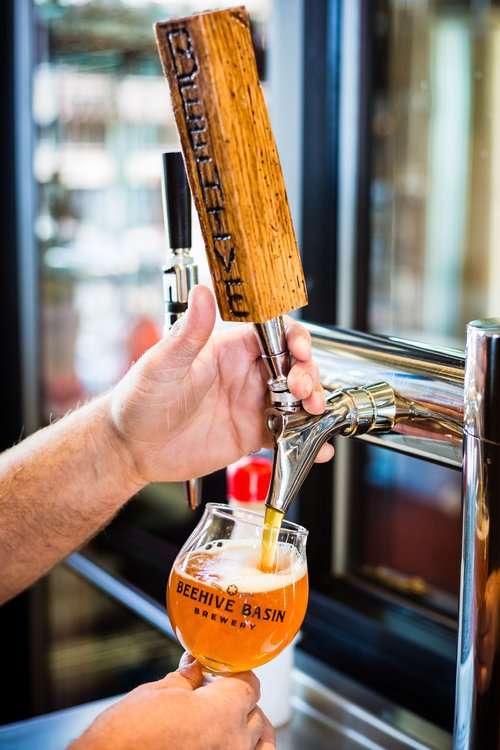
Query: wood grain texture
x,y
233,165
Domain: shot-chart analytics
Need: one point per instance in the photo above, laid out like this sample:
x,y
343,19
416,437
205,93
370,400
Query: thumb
x,y
190,334
188,676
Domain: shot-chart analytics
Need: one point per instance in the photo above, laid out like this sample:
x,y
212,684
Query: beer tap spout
x,y
298,436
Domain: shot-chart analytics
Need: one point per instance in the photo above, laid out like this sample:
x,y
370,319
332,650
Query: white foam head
x,y
236,562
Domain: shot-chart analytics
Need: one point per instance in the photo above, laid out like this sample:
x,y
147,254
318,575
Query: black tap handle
x,y
177,200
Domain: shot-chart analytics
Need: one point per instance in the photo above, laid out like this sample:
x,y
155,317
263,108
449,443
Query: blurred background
x,y
102,117
387,117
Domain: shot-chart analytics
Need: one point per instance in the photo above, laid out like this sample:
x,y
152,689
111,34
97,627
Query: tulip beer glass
x,y
225,610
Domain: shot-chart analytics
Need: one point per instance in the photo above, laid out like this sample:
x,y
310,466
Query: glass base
x,y
214,667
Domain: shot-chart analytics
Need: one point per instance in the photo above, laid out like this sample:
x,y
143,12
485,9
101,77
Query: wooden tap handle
x,y
232,164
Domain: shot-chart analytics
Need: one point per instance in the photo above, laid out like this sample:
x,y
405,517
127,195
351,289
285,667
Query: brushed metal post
x,y
477,706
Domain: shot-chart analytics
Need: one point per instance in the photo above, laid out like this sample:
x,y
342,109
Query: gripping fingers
x,y
316,403
260,730
241,690
303,381
188,676
325,454
268,739
303,378
299,340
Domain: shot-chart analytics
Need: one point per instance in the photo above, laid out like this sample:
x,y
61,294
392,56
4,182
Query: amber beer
x,y
227,612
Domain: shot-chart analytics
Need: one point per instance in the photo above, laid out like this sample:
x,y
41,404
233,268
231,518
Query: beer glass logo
x,y
230,614
215,600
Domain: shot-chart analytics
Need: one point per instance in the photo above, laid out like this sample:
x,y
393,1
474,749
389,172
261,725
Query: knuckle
x,y
299,333
312,369
261,719
304,333
247,692
143,691
256,685
250,688
294,374
171,677
299,369
270,730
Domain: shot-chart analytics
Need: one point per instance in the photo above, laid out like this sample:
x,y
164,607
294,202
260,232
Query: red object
x,y
248,479
144,335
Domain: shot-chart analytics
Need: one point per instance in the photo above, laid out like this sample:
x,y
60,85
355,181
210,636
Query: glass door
x,y
103,117
434,255
411,105
431,75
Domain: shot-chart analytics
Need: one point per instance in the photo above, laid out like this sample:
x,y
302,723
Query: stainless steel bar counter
x,y
323,719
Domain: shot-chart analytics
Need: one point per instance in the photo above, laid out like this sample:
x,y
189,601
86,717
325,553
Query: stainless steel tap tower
x,y
447,410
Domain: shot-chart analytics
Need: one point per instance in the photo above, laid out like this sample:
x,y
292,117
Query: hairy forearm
x,y
57,489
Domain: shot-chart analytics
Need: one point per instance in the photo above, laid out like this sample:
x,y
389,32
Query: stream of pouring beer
x,y
270,532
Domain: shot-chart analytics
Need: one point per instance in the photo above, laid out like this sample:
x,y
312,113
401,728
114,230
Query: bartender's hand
x,y
195,401
178,713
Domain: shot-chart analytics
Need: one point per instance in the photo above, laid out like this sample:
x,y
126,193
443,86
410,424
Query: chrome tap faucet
x,y
298,435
